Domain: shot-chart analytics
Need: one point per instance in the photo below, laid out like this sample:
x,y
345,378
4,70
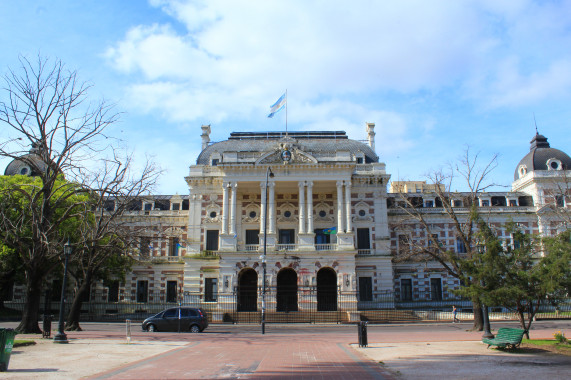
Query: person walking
x,y
454,312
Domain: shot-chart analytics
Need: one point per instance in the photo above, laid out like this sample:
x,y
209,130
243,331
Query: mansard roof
x,y
317,143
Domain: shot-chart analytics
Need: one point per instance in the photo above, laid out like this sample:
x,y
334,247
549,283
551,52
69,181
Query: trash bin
x,y
362,332
6,344
47,326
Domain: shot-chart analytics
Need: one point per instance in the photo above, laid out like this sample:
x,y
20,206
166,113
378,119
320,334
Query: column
x,y
301,203
233,203
262,208
340,224
310,207
271,208
348,205
224,228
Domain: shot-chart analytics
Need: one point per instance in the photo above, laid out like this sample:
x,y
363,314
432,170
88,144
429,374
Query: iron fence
x,y
294,305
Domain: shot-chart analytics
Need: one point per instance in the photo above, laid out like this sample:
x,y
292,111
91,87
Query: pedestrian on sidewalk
x,y
454,312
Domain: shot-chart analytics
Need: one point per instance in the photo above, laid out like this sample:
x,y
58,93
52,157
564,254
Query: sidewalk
x,y
453,353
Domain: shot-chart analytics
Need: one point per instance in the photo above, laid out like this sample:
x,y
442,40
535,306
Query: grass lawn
x,y
549,345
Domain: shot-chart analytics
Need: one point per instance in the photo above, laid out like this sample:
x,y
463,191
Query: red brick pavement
x,y
251,356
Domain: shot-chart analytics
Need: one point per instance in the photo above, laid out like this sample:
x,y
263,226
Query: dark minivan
x,y
177,319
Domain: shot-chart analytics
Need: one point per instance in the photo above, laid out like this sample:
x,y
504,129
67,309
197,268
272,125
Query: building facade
x,y
310,212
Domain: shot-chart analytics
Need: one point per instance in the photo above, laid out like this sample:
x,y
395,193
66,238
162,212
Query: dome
x,y
542,157
29,164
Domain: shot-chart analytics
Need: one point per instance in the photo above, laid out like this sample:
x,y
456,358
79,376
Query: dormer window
x,y
522,170
554,164
215,161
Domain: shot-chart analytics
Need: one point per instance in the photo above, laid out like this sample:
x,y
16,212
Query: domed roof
x,y
542,157
29,164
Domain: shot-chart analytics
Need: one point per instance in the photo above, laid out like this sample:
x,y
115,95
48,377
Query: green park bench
x,y
506,337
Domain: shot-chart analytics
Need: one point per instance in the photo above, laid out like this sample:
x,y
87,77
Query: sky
x,y
434,76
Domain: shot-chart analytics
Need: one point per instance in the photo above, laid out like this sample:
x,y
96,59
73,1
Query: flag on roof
x,y
330,231
278,105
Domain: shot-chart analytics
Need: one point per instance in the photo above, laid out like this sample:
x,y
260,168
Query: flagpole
x,y
286,111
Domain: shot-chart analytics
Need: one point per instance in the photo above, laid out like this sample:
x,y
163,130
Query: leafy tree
x,y
37,243
532,274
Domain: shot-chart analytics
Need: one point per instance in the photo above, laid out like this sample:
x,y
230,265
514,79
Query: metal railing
x,y
297,304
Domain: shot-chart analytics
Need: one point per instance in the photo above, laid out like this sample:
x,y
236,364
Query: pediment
x,y
297,156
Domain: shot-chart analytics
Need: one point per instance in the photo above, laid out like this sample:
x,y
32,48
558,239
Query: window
x,y
174,246
145,246
435,238
321,238
322,214
513,203
429,204
171,313
142,290
215,161
365,289
109,205
148,206
560,200
485,203
287,214
176,206
360,160
171,291
499,201
113,291
287,236
212,240
211,289
213,214
252,237
460,246
457,203
363,239
403,244
362,213
406,289
252,214
436,289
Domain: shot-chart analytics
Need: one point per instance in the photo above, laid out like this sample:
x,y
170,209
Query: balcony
x,y
158,259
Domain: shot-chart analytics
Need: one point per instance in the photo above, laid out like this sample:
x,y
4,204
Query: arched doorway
x,y
326,290
286,296
247,290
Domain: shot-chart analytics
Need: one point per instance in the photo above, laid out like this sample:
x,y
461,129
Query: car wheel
x,y
151,328
194,329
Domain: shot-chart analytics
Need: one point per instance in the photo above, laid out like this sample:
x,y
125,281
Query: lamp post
x,y
269,174
60,337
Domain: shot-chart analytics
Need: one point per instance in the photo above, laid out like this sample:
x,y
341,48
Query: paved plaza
x,y
285,351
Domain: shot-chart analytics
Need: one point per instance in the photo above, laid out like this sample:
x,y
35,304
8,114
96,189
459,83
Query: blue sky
x,y
434,76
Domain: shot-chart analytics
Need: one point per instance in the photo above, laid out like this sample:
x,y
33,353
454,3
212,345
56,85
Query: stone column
x,y
272,208
340,224
262,208
233,203
301,185
310,207
225,210
348,206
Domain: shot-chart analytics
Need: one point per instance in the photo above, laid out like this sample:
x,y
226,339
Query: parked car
x,y
177,319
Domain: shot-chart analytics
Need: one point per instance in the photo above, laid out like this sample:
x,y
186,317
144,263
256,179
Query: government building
x,y
310,221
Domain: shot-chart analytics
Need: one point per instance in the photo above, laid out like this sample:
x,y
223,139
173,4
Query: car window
x,y
188,313
170,313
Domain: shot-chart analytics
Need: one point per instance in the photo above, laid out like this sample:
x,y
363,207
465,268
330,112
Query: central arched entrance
x,y
247,290
326,290
286,296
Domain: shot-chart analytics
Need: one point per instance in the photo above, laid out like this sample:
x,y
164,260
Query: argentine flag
x,y
278,105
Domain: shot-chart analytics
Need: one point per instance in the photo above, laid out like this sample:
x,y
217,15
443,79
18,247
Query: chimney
x,y
371,135
205,136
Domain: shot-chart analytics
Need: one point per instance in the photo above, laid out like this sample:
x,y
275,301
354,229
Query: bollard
x,y
362,332
128,330
47,326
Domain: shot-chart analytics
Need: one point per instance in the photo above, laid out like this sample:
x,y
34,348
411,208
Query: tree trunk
x,y
72,323
478,315
29,323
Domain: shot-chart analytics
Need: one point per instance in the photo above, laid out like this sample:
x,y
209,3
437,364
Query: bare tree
x,y
104,239
464,220
47,108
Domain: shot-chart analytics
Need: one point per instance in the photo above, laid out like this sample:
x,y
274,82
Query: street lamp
x,y
60,337
269,174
